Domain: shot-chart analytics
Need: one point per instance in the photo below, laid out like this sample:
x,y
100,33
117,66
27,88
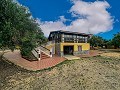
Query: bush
x,y
26,48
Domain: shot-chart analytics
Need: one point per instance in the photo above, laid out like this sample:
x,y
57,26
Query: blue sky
x,y
75,15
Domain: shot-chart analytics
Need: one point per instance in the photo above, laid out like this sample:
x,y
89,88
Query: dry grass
x,y
95,73
111,54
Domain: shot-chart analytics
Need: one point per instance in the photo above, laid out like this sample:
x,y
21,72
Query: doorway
x,y
68,50
79,48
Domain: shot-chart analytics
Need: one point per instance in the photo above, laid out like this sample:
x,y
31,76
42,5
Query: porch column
x,y
51,52
62,37
77,39
39,54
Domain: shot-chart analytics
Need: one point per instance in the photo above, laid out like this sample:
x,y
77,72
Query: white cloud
x,y
48,26
92,17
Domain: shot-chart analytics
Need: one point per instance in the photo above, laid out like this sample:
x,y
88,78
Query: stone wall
x,y
57,49
81,52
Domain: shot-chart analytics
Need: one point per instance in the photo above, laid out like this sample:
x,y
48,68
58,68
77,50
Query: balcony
x,y
74,40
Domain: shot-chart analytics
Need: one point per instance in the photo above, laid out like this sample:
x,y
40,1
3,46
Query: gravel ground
x,y
95,73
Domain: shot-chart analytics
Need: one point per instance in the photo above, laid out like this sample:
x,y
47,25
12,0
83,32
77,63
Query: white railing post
x,y
51,52
39,54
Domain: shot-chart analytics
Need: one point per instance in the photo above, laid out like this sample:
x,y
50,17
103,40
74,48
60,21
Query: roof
x,y
69,32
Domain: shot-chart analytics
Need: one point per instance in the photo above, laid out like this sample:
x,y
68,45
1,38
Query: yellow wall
x,y
85,46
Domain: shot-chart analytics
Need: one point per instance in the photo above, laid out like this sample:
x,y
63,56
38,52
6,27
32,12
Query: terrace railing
x,y
35,53
45,50
39,50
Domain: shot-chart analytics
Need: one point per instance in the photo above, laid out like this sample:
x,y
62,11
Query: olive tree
x,y
116,40
18,28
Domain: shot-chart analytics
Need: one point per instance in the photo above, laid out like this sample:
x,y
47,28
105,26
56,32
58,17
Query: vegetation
x,y
18,28
97,41
116,40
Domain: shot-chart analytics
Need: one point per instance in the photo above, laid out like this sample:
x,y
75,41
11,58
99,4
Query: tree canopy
x,y
96,41
116,40
99,41
18,27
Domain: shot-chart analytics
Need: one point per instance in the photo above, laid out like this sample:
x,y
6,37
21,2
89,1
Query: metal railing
x,y
45,50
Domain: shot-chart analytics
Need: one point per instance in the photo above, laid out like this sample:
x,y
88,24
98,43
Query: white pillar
x,y
62,37
39,54
51,52
77,38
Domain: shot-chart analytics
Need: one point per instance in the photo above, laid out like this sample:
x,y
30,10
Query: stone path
x,y
71,57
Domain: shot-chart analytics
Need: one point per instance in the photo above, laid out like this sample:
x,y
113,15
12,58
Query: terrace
x,y
69,37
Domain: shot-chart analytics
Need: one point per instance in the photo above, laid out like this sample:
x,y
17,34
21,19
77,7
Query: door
x,y
79,48
68,50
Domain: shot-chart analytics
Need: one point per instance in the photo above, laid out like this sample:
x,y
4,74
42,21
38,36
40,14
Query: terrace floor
x,y
16,58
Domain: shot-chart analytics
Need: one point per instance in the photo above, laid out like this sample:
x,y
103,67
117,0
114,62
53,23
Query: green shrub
x,y
26,48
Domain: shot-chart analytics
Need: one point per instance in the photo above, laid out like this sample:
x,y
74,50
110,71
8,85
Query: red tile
x,y
16,58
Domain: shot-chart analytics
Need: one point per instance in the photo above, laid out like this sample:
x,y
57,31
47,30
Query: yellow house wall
x,y
60,47
85,46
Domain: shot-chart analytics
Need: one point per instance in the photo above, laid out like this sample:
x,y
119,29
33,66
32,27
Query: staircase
x,y
44,56
41,53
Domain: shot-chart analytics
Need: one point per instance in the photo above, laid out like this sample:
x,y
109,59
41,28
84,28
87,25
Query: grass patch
x,y
66,62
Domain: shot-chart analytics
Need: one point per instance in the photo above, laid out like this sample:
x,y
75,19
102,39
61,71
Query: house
x,y
68,43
